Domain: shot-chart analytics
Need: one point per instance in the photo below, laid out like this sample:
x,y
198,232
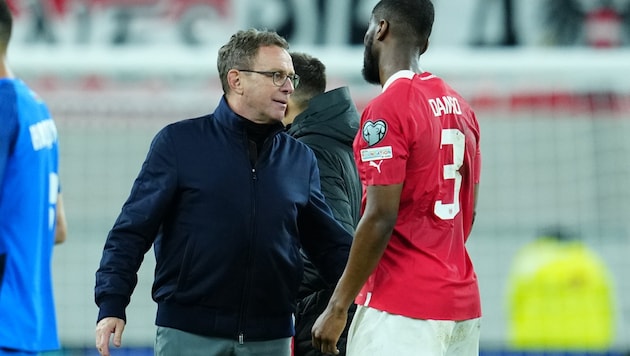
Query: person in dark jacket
x,y
227,200
327,122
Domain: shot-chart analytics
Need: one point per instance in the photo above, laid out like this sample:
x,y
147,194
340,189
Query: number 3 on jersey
x,y
454,137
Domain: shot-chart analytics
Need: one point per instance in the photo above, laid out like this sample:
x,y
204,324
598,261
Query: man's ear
x,y
382,30
234,81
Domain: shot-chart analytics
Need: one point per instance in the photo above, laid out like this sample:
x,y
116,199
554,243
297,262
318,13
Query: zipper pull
x,y
254,173
240,339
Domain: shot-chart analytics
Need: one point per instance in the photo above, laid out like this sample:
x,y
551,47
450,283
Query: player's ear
x,y
382,29
234,81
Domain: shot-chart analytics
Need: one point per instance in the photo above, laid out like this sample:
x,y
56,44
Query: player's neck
x,y
293,110
5,72
396,60
387,72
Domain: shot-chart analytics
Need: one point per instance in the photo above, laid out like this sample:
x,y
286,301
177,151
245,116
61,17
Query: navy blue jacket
x,y
226,233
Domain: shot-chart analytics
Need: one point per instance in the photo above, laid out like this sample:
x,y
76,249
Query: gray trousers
x,y
173,342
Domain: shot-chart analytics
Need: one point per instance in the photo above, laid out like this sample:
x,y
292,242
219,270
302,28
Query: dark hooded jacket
x,y
328,126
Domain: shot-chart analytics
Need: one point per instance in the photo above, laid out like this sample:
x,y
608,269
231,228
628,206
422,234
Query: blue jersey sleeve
x,y
8,124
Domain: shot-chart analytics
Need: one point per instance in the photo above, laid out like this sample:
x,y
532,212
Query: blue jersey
x,y
29,186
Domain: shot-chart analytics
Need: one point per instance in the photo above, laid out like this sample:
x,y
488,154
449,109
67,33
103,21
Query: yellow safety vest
x,y
560,297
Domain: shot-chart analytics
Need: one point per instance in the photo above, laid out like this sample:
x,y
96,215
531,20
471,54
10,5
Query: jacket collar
x,y
227,117
400,74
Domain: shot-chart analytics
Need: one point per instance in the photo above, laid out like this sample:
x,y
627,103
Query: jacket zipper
x,y
253,159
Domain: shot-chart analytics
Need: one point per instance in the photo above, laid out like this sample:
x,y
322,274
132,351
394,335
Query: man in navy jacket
x,y
227,200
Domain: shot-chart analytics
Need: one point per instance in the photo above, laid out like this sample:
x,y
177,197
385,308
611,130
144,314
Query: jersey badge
x,y
373,132
376,155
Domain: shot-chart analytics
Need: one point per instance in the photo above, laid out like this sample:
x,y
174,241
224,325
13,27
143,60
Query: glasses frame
x,y
276,77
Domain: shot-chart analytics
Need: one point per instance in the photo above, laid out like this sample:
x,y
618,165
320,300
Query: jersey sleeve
x,y
381,146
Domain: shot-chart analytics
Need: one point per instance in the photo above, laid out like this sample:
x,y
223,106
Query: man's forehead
x,y
274,56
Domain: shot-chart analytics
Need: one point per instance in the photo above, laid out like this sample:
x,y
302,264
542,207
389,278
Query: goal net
x,y
555,154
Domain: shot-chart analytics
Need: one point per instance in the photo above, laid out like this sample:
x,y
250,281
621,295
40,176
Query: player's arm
x,y
61,227
371,239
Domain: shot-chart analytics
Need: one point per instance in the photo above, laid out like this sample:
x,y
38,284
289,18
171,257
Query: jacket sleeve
x,y
324,240
136,228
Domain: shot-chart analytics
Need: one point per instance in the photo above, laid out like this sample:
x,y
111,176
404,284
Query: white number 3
x,y
454,137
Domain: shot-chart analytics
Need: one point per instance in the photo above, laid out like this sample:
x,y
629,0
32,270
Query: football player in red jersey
x,y
419,161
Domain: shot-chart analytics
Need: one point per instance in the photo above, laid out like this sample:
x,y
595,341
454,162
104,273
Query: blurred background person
x,y
327,122
482,16
32,218
560,296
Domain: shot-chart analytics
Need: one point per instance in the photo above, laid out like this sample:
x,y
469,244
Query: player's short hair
x,y
6,24
242,48
412,19
312,74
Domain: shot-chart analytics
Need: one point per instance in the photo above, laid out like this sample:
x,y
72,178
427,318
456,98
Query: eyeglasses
x,y
279,78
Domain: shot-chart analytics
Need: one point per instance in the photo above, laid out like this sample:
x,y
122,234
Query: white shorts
x,y
375,333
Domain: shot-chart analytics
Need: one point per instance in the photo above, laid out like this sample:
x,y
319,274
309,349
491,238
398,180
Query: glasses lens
x,y
279,79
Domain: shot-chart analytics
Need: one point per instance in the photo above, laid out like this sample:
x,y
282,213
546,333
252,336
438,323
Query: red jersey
x,y
421,133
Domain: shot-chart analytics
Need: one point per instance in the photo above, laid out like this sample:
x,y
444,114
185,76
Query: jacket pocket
x,y
184,272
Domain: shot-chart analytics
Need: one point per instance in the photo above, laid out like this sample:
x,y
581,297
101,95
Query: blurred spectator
x,y
599,24
560,296
42,29
481,23
32,217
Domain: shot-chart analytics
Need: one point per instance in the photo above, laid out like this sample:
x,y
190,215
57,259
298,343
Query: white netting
x,y
555,153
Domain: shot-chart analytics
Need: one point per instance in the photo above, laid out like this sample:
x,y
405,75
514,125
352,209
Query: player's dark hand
x,y
327,330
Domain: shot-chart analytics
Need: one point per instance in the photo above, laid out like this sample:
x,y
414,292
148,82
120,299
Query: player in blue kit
x,y
32,218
